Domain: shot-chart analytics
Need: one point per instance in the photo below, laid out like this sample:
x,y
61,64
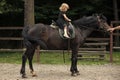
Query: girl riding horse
x,y
63,20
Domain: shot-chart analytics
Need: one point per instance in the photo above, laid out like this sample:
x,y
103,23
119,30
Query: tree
x,y
116,18
115,10
29,13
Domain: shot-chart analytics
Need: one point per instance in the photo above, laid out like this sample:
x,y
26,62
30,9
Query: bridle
x,y
102,23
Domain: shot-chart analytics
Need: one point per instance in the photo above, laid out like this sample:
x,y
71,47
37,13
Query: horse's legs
x,y
28,54
74,69
30,58
24,59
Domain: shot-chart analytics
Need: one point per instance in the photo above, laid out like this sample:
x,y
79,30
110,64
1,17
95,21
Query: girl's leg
x,y
65,32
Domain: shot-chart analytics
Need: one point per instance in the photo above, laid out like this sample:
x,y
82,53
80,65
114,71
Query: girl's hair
x,y
64,6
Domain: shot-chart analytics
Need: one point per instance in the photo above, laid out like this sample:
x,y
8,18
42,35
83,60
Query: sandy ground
x,y
61,72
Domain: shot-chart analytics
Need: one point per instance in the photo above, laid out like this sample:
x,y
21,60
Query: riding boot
x,y
65,33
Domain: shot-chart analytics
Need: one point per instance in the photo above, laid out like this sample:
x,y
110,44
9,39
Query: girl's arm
x,y
66,18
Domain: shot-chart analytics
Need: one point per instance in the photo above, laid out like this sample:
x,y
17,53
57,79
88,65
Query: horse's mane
x,y
87,21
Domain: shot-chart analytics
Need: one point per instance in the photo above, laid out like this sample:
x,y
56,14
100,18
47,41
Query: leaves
x,y
11,6
46,10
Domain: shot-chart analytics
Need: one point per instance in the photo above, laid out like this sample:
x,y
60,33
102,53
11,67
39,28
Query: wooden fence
x,y
116,36
92,46
11,28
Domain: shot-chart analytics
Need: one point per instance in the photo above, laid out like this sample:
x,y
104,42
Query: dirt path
x,y
61,72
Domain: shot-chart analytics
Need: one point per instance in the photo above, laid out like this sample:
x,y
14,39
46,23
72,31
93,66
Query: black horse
x,y
48,38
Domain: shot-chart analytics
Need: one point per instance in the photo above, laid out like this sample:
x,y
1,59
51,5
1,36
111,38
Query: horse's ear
x,y
102,16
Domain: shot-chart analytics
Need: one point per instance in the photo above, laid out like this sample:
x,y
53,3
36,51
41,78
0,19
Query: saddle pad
x,y
61,32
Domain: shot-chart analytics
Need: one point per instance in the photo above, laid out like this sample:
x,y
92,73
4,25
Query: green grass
x,y
55,58
10,57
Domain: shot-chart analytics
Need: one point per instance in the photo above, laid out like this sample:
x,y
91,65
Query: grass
x,y
10,57
55,58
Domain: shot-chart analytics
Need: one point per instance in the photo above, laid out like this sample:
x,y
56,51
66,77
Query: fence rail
x,y
11,38
94,46
11,28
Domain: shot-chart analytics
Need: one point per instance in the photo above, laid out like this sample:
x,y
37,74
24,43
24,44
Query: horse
x,y
48,38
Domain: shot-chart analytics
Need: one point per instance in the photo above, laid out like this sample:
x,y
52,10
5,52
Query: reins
x,y
90,28
68,50
82,26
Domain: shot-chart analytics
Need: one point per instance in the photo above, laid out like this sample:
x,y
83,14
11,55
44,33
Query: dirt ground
x,y
61,72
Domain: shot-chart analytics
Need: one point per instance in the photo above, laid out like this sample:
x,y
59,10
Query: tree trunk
x,y
115,10
29,13
29,19
117,38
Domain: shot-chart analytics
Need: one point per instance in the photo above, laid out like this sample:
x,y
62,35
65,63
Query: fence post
x,y
111,45
37,52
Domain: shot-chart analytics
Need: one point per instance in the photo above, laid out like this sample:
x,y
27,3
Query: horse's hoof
x,y
24,76
78,73
74,74
34,75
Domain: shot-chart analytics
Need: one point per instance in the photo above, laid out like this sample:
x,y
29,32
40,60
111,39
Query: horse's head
x,y
94,22
102,22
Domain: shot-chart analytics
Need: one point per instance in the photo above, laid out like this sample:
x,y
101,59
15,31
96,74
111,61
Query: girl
x,y
63,20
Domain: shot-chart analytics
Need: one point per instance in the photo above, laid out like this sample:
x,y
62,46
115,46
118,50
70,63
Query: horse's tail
x,y
28,40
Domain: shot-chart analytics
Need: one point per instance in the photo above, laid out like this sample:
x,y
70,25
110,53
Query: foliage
x,y
78,8
11,12
11,6
45,13
46,10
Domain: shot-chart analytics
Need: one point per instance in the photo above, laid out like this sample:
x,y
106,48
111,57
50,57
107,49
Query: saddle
x,y
71,30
